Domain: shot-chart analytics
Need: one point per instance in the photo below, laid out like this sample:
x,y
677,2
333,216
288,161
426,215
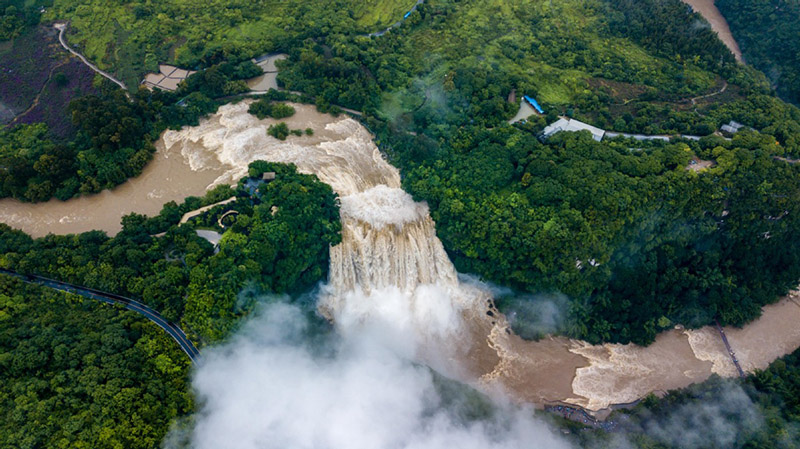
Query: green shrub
x,y
279,131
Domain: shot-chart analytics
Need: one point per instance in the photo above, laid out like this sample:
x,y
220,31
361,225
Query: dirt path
x,y
722,90
39,94
398,23
62,27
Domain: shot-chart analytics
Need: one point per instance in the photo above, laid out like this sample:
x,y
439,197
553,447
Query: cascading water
x,y
389,246
391,271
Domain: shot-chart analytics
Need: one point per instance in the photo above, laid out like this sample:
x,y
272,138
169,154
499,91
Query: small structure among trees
x,y
732,127
567,124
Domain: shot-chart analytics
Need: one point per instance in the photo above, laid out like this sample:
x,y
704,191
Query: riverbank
x,y
176,171
168,177
390,261
709,11
374,257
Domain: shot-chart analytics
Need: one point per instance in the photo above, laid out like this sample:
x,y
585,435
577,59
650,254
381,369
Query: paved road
x,y
170,328
62,27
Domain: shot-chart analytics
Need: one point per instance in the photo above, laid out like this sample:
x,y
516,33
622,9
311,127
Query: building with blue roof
x,y
535,104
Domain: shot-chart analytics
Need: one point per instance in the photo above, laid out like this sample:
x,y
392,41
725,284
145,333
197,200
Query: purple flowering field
x,y
24,70
54,101
25,65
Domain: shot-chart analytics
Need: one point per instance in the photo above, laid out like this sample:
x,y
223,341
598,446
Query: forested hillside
x,y
75,373
767,33
179,274
113,137
132,37
631,236
635,238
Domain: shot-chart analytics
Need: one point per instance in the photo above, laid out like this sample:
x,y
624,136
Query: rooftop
x,y
572,125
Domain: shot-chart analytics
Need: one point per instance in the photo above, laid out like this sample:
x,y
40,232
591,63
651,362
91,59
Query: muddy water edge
x,y
397,249
709,11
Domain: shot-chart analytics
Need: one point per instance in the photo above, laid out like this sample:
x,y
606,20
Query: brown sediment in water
x,y
619,374
389,241
176,172
167,177
709,11
775,334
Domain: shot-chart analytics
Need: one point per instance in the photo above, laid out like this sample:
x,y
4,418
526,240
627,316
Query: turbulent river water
x,y
390,263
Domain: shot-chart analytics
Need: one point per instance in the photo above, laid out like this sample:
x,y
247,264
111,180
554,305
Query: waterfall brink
x,y
388,240
390,270
391,273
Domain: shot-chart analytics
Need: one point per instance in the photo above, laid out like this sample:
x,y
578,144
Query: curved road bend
x,y
170,328
62,27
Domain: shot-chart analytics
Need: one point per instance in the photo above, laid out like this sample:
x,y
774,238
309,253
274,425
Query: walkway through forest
x,y
722,90
62,27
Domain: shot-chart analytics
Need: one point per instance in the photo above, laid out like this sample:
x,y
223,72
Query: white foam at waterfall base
x,y
381,206
402,320
273,387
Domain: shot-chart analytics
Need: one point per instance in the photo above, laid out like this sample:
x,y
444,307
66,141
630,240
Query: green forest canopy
x,y
75,373
766,30
179,274
633,238
515,211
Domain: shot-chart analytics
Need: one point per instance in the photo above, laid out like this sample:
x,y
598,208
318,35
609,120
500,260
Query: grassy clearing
x,y
125,37
71,80
38,79
380,13
552,50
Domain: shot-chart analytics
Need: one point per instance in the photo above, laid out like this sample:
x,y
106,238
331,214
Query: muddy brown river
x,y
709,11
390,263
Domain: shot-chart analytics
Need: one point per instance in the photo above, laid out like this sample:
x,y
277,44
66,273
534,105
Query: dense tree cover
x,y
622,228
278,243
671,29
16,15
543,49
114,145
264,108
766,31
613,228
628,233
75,373
116,131
221,79
279,131
131,37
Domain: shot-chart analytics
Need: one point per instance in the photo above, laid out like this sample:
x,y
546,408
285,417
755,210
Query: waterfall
x,y
391,272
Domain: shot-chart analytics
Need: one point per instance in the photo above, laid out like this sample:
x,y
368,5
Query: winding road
x,y
172,329
62,27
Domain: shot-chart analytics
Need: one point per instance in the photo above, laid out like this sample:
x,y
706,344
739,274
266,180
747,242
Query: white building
x,y
732,127
572,125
